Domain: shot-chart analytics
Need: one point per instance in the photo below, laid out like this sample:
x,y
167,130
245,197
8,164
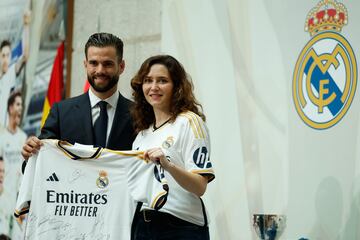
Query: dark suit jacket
x,y
71,120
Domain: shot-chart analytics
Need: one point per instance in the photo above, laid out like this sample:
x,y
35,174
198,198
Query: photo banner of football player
x,y
30,33
278,82
15,24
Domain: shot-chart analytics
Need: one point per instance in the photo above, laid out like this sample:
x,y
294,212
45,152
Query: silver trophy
x,y
269,226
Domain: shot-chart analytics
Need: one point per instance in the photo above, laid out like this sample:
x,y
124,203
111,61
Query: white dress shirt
x,y
111,107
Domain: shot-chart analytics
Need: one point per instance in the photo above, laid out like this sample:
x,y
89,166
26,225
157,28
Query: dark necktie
x,y
100,126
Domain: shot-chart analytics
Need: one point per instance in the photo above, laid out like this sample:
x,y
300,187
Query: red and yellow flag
x,y
56,84
86,86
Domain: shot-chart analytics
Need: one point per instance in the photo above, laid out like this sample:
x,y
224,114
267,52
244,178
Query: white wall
x,y
197,33
241,55
136,22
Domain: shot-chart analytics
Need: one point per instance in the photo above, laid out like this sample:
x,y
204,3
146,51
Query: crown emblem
x,y
327,15
102,173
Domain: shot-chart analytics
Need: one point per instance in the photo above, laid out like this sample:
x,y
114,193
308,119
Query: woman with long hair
x,y
172,133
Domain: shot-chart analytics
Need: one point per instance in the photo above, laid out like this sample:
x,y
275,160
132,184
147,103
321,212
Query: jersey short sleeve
x,y
196,145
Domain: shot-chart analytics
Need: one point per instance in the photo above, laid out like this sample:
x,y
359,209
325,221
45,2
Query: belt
x,y
151,215
156,216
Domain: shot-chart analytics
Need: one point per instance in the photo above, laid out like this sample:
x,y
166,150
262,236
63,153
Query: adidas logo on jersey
x,y
52,178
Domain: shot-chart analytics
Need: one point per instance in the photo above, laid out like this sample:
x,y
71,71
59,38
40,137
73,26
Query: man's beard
x,y
18,120
112,81
4,69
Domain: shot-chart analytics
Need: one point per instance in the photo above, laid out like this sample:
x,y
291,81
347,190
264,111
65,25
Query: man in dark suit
x,y
76,119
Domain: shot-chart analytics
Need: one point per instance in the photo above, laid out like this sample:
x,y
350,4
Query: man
x,y
8,76
74,119
8,71
12,138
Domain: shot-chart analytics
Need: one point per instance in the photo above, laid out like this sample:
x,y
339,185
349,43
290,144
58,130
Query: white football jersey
x,y
5,216
81,192
10,148
186,143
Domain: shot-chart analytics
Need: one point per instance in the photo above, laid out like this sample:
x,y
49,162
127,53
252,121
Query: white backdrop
x,y
241,55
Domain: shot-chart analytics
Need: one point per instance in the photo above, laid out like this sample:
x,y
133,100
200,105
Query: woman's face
x,y
158,88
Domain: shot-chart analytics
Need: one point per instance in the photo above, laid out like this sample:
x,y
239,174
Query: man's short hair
x,y
5,43
4,237
105,40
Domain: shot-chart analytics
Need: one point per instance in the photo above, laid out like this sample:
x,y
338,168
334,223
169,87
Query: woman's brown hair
x,y
183,97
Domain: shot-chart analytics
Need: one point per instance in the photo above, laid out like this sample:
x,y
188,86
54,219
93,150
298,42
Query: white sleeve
x,y
196,146
26,187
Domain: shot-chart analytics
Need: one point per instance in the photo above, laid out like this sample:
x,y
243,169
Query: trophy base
x,y
269,226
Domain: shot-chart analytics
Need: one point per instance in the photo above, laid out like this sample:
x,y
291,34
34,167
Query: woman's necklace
x,y
156,128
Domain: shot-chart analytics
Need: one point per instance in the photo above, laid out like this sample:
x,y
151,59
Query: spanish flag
x,y
86,86
56,84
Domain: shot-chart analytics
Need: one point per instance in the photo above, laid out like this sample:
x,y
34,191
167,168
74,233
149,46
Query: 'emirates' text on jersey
x,y
85,198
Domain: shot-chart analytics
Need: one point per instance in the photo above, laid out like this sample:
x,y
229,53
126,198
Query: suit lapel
x,y
121,117
83,119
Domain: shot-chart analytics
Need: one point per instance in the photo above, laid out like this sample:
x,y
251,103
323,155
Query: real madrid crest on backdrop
x,y
325,74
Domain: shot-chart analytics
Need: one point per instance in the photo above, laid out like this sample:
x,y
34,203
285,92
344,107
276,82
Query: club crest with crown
x,y
102,181
325,75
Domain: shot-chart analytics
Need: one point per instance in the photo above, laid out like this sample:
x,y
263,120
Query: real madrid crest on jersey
x,y
168,142
102,181
325,74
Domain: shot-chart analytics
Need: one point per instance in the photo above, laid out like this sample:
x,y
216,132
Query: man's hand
x,y
31,147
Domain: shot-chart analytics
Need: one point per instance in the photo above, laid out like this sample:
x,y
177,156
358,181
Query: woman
x,y
172,132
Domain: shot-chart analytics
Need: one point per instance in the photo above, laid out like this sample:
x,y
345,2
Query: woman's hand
x,y
191,182
157,156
